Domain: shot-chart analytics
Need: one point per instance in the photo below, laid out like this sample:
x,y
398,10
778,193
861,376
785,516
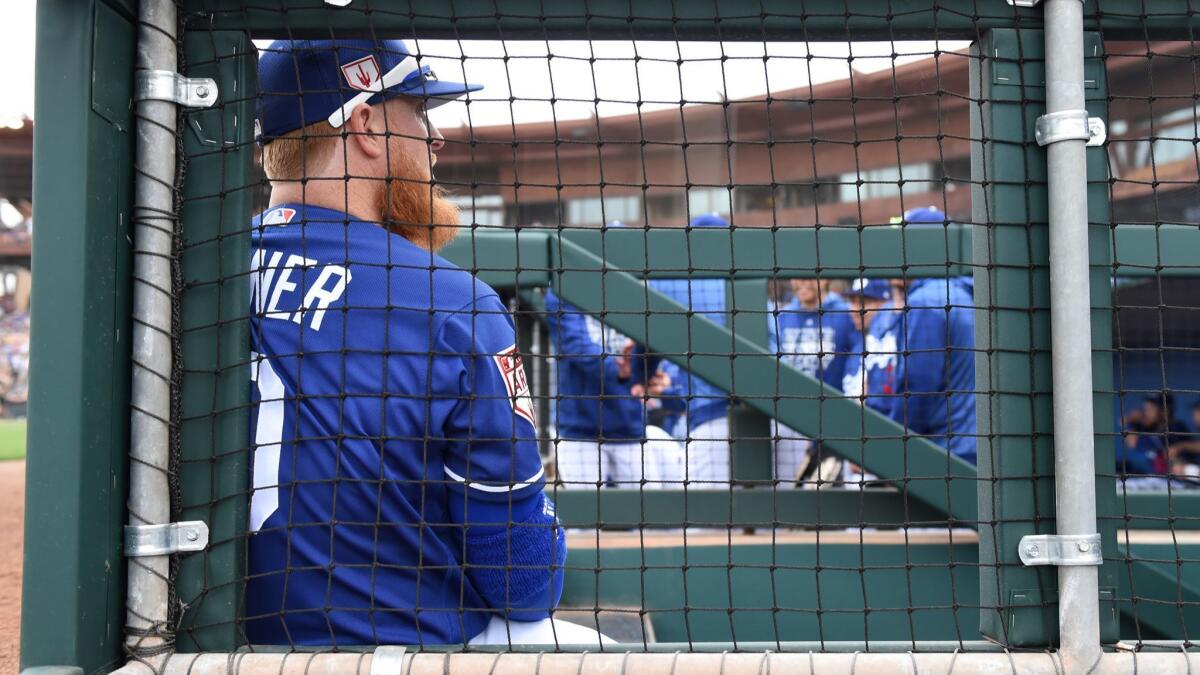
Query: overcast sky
x,y
531,74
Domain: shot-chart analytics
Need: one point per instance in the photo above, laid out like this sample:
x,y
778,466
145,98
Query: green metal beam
x,y
836,20
215,344
1157,588
73,597
755,376
1176,510
785,507
1156,251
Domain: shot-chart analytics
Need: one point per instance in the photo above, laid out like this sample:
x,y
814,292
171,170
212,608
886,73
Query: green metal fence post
x,y
73,596
750,452
1016,456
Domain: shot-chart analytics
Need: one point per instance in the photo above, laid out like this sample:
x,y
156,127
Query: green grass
x,y
12,439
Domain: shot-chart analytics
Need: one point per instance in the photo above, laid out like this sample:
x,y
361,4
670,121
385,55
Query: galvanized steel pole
x,y
1071,336
153,234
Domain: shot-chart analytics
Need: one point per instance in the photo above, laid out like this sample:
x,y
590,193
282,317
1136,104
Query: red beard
x,y
417,209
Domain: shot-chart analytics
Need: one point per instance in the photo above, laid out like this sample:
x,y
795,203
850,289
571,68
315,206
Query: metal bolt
x,y
1033,551
191,535
1084,546
202,91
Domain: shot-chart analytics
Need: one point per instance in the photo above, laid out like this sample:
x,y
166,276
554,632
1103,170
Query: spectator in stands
x,y
1183,449
705,425
935,373
814,334
601,412
1146,433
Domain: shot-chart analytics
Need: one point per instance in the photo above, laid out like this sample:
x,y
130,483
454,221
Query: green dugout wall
x,y
73,606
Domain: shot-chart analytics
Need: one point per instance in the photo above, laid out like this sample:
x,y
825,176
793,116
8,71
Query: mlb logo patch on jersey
x,y
512,371
280,216
362,74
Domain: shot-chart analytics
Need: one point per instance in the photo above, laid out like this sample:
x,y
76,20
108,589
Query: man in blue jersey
x,y
814,334
397,488
707,427
871,370
601,410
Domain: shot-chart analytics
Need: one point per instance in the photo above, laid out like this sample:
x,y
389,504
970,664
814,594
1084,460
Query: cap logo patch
x,y
362,74
512,371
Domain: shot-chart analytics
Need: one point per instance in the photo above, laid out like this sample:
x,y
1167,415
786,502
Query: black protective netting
x,y
702,364
1155,416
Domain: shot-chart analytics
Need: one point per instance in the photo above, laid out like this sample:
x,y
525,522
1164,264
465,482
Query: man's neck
x,y
348,197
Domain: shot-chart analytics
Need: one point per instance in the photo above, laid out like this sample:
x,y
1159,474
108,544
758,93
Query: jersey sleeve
x,y
491,449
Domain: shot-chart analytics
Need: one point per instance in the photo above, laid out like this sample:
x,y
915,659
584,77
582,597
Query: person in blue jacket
x,y
813,333
705,426
397,490
935,379
603,433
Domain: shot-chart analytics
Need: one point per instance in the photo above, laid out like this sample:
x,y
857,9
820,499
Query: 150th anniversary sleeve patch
x,y
512,371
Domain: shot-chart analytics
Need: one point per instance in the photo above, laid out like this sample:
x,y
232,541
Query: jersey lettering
x,y
277,290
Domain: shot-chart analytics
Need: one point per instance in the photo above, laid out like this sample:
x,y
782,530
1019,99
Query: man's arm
x,y
514,547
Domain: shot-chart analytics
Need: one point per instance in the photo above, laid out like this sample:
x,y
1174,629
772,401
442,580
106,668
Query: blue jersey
x,y
398,491
816,342
937,369
706,297
871,369
593,401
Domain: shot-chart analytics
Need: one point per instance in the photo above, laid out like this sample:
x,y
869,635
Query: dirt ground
x,y
12,514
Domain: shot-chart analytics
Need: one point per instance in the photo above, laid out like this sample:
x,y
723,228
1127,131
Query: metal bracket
x,y
387,660
164,85
182,537
338,3
1070,125
1023,3
1060,550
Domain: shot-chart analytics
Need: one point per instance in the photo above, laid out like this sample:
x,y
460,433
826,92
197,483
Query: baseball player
x,y
397,488
871,370
814,334
602,425
707,426
935,374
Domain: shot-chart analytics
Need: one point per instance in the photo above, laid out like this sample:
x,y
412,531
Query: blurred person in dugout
x,y
1183,448
1154,443
606,389
814,334
704,425
934,382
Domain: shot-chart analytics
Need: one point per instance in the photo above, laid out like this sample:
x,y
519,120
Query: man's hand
x,y
659,383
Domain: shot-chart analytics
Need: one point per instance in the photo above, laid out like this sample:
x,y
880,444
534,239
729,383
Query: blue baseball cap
x,y
713,219
878,289
301,82
924,214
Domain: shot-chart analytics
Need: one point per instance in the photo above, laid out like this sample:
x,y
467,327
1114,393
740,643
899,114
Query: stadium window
x,y
485,210
665,207
532,214
822,190
885,182
708,200
753,198
593,211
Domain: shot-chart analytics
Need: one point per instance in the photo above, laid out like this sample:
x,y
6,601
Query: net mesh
x,y
756,351
1153,182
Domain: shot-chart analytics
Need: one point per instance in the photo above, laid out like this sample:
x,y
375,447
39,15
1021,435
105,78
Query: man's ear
x,y
365,129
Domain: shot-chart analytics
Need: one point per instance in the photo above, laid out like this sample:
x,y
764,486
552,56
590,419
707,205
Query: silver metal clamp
x,y
387,660
165,85
165,539
1070,125
1060,550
